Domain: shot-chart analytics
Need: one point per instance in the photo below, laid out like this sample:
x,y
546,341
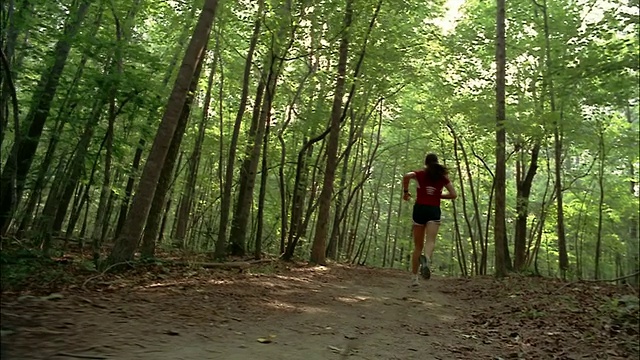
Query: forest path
x,y
303,313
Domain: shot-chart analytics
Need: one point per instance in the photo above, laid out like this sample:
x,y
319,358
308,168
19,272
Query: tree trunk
x,y
634,241
158,214
500,175
105,202
75,216
399,219
602,157
64,113
106,184
474,251
186,205
389,212
324,208
263,192
477,215
225,201
14,173
522,210
135,165
557,137
332,248
248,168
128,240
275,61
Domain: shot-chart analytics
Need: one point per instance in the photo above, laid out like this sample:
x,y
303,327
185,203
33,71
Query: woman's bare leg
x,y
431,230
418,242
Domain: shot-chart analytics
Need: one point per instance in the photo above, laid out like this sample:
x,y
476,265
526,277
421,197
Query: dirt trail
x,y
302,313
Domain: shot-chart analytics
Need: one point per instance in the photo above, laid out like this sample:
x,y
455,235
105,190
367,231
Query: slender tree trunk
x,y
602,157
474,251
275,61
389,212
462,260
248,168
106,186
263,192
332,248
500,177
15,172
474,200
396,234
322,226
523,192
128,240
161,203
75,216
557,137
64,113
186,205
633,243
225,201
135,165
105,202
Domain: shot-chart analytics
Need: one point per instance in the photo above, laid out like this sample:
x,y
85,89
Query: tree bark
x,y
634,241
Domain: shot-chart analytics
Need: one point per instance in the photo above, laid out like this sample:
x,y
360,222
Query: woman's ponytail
x,y
435,171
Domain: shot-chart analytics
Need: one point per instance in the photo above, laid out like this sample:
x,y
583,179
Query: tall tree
x,y
225,201
318,255
132,230
500,174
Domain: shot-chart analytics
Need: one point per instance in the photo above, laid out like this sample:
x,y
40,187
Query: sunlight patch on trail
x,y
352,299
279,305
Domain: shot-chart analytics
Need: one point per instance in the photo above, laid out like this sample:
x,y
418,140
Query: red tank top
x,y
428,191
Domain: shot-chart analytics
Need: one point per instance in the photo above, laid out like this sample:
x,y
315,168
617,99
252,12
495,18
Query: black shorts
x,y
422,214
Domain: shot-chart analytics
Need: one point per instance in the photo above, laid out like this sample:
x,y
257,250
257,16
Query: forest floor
x,y
293,311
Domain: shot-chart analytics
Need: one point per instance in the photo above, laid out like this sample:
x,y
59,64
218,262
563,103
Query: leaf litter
x,y
484,318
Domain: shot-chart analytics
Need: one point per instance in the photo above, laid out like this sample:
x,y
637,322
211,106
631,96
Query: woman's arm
x,y
405,184
451,192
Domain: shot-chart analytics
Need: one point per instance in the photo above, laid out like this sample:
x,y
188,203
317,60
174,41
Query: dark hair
x,y
435,171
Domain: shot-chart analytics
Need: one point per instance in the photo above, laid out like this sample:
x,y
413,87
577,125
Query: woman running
x,y
426,211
